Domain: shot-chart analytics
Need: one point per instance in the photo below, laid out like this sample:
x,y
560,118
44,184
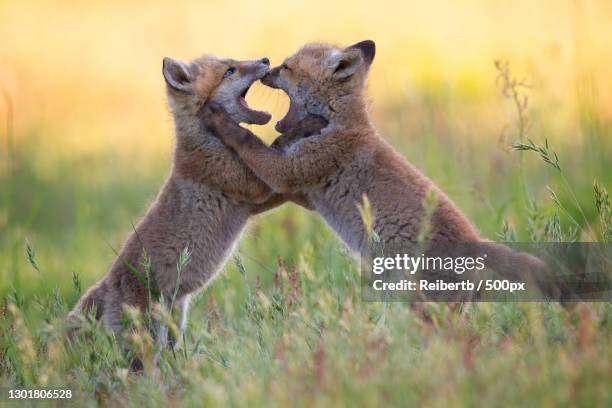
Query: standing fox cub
x,y
205,202
348,159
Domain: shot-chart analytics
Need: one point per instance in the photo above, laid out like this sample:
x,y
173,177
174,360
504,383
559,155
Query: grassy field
x,y
85,145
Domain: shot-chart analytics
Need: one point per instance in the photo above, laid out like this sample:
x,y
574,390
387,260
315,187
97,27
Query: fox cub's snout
x,y
224,81
321,79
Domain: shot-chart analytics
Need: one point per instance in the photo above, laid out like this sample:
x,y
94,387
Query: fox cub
x,y
347,159
206,200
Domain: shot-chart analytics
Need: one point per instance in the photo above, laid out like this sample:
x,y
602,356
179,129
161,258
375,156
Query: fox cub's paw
x,y
309,126
216,118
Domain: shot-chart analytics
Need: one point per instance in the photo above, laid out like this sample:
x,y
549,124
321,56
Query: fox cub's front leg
x,y
284,172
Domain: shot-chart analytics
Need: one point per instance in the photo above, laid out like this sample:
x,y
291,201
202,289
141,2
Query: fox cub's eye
x,y
229,72
285,66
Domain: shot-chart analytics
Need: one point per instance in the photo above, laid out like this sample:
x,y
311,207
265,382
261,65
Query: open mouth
x,y
290,120
252,116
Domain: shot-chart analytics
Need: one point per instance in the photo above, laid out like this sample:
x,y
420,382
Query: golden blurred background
x,y
86,76
85,143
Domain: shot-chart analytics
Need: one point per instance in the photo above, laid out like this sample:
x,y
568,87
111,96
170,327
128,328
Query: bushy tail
x,y
521,267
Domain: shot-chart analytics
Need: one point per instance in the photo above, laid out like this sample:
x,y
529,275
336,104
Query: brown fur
x,y
348,159
203,205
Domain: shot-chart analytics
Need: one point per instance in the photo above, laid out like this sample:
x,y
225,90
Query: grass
x,y
285,323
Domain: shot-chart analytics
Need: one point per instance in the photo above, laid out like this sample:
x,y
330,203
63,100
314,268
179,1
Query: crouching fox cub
x,y
204,203
348,159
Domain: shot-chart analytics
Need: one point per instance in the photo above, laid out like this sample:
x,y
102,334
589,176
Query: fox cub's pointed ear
x,y
178,75
344,63
368,50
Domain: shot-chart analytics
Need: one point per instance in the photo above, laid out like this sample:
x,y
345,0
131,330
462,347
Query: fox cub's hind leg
x,y
172,338
93,299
